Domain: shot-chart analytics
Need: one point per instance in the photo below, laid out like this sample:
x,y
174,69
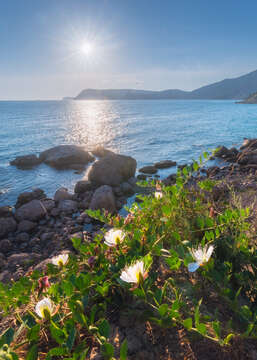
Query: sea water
x,y
149,131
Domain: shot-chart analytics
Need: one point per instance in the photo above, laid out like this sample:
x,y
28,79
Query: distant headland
x,y
227,89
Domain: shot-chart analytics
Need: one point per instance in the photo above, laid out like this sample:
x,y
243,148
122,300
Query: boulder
x,y
49,204
7,225
100,152
5,211
65,155
127,189
62,194
28,196
26,226
33,211
68,206
103,198
165,164
112,170
148,169
250,144
22,237
22,259
5,246
247,157
25,161
82,186
227,154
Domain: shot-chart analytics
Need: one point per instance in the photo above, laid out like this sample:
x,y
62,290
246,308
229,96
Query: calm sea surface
x,y
147,130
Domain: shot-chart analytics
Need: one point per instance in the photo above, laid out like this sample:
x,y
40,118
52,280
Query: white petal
x,y
209,252
193,267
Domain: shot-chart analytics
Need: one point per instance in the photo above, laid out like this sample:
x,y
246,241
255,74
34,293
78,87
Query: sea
x,y
148,130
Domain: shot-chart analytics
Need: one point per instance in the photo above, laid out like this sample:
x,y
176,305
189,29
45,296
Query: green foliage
x,y
161,233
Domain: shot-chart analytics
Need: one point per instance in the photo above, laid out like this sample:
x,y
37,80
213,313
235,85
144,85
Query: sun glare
x,y
87,49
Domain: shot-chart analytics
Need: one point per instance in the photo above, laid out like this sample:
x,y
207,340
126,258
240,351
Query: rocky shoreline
x,y
38,227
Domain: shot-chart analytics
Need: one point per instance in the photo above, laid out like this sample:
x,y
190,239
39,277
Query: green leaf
x,y
107,351
163,309
227,339
104,328
124,350
7,337
76,242
32,353
57,351
33,333
201,328
71,337
216,328
188,323
197,313
57,333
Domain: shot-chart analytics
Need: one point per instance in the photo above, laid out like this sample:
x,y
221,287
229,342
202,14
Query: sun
x,y
87,48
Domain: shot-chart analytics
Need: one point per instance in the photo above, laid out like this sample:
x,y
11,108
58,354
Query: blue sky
x,y
142,44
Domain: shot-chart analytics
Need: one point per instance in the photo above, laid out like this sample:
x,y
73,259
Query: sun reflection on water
x,y
91,122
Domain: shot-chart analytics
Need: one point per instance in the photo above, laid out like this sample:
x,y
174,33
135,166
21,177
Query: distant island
x,y
251,99
227,89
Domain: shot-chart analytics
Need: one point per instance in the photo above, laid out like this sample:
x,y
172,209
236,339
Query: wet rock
x,y
68,206
27,196
112,170
103,198
249,144
82,186
33,211
62,194
64,155
25,161
148,169
227,154
7,225
100,152
26,226
5,211
165,164
5,246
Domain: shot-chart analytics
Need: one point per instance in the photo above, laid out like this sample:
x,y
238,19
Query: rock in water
x,y
62,194
82,186
65,155
165,164
100,152
112,170
25,161
148,169
103,198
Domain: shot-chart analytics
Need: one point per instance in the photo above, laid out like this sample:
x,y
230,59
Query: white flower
x,y
134,273
201,256
114,237
158,194
43,307
60,260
